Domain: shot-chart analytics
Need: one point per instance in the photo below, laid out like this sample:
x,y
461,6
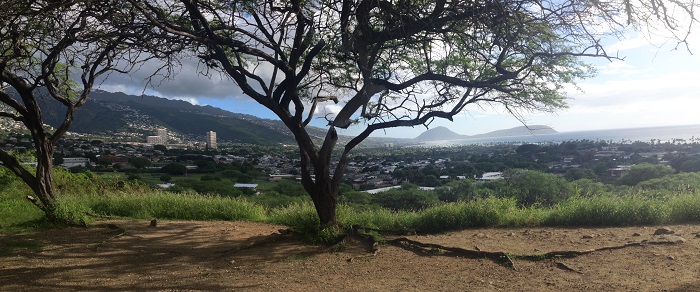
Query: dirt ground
x,y
220,256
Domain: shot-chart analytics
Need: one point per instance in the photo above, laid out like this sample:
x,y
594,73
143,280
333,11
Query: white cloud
x,y
191,100
332,109
617,67
635,42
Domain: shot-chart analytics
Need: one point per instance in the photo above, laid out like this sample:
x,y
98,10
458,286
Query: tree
x,y
573,174
52,53
643,172
140,162
174,169
535,187
398,63
160,148
165,178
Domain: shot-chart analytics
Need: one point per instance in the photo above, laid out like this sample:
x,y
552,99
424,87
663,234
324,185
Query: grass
x,y
610,211
17,213
684,208
164,205
133,201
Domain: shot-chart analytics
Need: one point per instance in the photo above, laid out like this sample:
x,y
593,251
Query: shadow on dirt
x,y
176,255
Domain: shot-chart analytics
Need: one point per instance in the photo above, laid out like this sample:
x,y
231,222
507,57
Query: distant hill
x,y
439,134
443,134
107,112
518,131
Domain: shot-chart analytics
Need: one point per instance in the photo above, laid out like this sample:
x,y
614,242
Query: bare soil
x,y
219,256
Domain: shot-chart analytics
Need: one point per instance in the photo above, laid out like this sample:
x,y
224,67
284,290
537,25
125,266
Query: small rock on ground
x,y
664,230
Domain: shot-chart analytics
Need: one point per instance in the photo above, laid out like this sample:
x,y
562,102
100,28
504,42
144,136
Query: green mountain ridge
x,y
107,112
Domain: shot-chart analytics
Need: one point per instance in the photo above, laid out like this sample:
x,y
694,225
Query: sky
x,y
655,85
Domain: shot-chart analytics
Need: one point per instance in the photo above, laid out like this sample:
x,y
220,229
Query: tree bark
x,y
43,185
326,203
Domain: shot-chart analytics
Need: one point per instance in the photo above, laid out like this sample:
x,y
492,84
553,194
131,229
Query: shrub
x,y
682,182
643,172
405,199
174,169
460,190
531,187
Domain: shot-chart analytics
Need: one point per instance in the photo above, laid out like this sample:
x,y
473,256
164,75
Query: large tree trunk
x,y
40,182
323,189
326,203
43,184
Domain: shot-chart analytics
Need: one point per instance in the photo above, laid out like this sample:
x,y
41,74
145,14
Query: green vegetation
x,y
672,199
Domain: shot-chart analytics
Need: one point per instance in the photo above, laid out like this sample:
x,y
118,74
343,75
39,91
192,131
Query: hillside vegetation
x,y
537,201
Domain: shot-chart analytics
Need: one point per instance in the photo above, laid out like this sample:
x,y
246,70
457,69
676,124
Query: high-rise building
x,y
161,137
163,134
211,140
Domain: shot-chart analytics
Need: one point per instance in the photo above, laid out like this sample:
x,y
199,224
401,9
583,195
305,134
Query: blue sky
x,y
654,86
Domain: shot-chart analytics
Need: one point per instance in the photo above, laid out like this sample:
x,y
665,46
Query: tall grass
x,y
609,210
164,205
486,212
685,208
80,195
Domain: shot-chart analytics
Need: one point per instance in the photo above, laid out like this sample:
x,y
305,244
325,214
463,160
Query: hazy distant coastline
x,y
687,134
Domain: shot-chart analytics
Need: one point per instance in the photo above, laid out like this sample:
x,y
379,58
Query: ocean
x,y
682,134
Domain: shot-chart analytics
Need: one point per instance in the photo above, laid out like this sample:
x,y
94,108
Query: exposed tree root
x,y
366,230
114,227
118,231
505,258
499,257
260,240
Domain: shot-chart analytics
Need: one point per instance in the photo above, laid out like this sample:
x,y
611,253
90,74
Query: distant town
x,y
371,168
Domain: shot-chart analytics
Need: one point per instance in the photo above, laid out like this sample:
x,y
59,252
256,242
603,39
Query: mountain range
x,y
107,113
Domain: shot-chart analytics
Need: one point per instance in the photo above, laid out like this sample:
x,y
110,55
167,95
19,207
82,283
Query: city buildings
x,y
161,137
211,140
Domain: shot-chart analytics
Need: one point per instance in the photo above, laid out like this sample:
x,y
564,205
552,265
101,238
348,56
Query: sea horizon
x,y
661,134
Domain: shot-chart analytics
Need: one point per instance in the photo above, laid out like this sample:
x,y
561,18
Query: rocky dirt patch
x,y
214,256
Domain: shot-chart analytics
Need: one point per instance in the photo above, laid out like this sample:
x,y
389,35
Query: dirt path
x,y
215,256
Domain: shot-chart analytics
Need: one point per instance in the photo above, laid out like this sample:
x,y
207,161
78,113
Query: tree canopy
x,y
58,51
397,63
376,63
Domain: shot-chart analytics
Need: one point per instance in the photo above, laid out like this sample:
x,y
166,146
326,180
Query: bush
x,y
165,178
531,187
682,182
273,199
460,190
355,198
405,199
174,169
643,172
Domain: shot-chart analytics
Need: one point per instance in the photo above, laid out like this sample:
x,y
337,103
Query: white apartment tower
x,y
211,140
161,137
